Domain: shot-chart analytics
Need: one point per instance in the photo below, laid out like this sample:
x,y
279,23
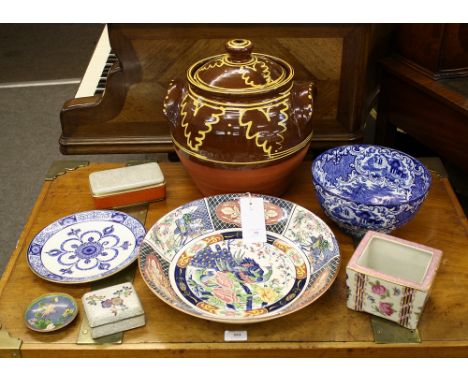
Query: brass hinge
x,y
387,332
60,167
9,346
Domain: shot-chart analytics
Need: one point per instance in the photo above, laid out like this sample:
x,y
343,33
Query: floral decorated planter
x,y
391,278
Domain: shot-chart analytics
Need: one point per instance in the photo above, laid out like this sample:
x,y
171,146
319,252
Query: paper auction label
x,y
253,220
235,335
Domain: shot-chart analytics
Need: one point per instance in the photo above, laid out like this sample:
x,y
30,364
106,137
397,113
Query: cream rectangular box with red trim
x,y
127,186
391,278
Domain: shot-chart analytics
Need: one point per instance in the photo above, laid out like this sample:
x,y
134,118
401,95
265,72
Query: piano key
x,y
95,68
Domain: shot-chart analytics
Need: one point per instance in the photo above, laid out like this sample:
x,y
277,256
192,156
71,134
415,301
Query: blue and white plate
x,y
85,246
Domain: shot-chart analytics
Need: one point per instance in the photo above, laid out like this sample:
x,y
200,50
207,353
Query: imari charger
x,y
113,310
391,278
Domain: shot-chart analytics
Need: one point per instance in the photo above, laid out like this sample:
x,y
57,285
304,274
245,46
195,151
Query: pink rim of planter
x,y
429,274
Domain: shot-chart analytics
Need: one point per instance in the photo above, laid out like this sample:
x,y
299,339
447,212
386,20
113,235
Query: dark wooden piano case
x,y
128,118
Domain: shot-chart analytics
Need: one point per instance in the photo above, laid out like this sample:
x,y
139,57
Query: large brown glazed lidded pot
x,y
240,124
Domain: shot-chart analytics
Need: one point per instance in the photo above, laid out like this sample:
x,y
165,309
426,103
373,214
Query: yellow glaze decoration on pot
x,y
240,110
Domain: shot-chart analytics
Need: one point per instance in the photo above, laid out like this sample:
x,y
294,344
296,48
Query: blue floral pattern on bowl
x,y
86,246
367,187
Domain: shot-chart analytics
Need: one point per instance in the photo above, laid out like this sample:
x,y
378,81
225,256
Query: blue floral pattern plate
x,y
195,260
85,246
50,312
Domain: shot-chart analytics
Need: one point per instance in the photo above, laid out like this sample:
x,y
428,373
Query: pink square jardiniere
x,y
391,277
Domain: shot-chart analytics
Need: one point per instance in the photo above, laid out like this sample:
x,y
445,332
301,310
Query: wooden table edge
x,y
252,349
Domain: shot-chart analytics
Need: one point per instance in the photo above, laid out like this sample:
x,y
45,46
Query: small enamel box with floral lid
x,y
391,278
113,310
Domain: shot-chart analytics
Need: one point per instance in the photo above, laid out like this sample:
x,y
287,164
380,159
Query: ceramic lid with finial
x,y
239,71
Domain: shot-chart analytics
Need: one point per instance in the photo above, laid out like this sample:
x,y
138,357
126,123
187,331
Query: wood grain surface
x,y
325,328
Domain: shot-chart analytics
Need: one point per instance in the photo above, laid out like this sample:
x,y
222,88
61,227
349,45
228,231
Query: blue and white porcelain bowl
x,y
367,187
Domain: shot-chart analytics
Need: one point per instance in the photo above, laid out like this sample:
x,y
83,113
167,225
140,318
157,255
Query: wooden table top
x,y
325,328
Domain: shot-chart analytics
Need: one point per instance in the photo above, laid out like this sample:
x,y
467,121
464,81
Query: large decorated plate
x,y
195,260
85,246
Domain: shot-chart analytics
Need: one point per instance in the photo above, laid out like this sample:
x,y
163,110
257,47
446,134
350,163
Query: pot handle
x,y
175,94
303,95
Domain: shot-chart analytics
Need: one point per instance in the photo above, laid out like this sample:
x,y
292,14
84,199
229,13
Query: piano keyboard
x,y
95,77
105,72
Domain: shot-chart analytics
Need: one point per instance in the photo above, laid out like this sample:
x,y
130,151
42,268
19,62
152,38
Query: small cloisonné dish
x,y
50,312
85,246
195,259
